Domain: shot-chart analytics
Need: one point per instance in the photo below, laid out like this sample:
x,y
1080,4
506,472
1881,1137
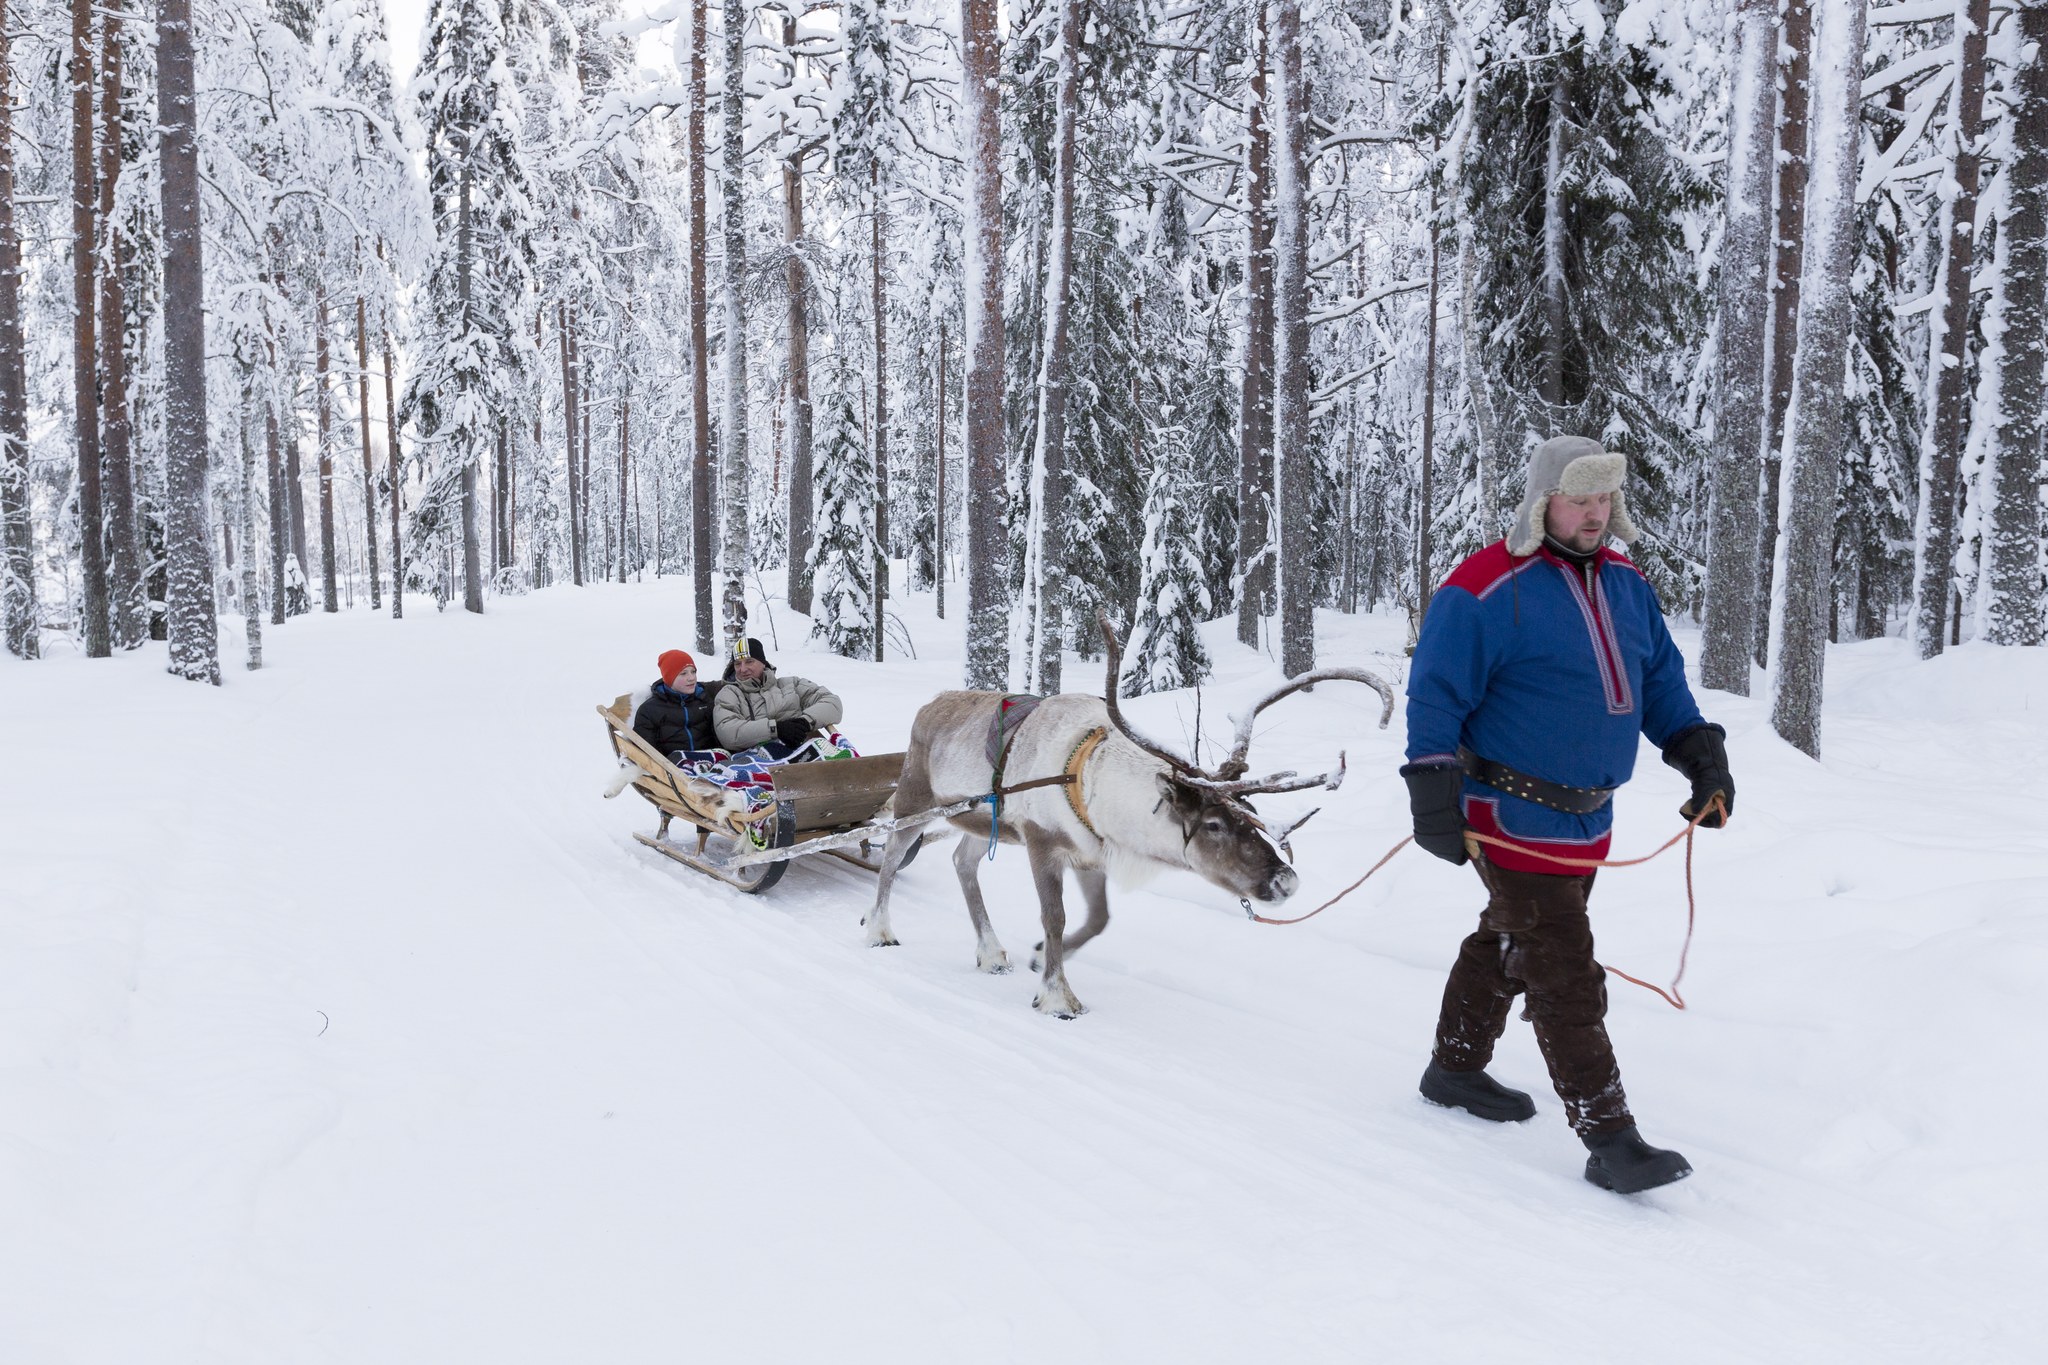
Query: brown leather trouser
x,y
1534,939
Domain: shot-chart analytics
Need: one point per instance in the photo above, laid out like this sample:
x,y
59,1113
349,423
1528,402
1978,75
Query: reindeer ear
x,y
1181,797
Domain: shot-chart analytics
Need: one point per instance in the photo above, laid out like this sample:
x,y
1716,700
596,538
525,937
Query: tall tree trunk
x,y
1554,322
1741,404
625,423
194,638
982,301
323,409
569,393
85,395
501,502
397,484
700,343
1795,41
1485,419
128,604
2012,609
802,512
878,227
298,601
1799,627
18,626
465,247
369,466
1425,576
280,516
1293,447
1255,411
732,435
1037,648
252,607
1934,538
939,494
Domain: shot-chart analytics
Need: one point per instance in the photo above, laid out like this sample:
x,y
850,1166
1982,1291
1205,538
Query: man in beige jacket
x,y
757,707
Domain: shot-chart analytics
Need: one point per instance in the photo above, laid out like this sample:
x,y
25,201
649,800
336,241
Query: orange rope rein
x,y
1672,996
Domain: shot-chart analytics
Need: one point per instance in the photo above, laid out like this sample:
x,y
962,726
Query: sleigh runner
x,y
837,807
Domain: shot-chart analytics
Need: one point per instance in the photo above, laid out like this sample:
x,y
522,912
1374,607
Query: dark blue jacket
x,y
1550,669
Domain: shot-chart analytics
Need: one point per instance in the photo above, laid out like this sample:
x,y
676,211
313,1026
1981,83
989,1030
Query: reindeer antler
x,y
1241,743
1229,779
1116,715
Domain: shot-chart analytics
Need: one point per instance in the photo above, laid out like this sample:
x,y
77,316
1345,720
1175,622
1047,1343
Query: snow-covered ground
x,y
342,1021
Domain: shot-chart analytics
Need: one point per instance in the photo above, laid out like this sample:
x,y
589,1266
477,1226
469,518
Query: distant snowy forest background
x,y
1168,310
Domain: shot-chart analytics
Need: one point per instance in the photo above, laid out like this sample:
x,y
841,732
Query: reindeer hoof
x,y
1068,1008
999,965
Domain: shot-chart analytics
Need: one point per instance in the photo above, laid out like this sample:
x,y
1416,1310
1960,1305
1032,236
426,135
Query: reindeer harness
x,y
1010,716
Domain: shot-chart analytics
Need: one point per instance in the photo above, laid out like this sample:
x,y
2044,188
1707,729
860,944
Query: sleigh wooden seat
x,y
812,801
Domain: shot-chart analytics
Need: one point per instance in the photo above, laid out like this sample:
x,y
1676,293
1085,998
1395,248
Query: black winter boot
x,y
1477,1093
1626,1164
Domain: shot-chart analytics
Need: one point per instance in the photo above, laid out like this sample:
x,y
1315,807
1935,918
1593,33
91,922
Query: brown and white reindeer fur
x,y
1145,817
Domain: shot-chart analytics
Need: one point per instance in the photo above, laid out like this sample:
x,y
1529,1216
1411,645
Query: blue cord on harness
x,y
994,808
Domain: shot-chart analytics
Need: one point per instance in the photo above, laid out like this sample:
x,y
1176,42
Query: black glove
x,y
793,731
1702,756
1433,791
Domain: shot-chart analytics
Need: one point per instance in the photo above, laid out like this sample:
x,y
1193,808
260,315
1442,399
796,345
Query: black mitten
x,y
792,731
1433,792
1701,753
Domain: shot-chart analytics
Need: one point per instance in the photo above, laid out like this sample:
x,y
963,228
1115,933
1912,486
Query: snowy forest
x,y
1170,312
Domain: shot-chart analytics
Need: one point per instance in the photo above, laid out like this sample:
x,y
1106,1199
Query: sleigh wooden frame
x,y
836,807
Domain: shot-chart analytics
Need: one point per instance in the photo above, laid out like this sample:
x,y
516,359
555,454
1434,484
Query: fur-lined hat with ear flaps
x,y
1572,466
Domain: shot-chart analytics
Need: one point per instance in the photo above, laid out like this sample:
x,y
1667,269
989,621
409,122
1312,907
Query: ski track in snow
x,y
342,1021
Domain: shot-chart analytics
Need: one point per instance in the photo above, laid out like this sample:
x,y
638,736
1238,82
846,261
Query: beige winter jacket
x,y
747,711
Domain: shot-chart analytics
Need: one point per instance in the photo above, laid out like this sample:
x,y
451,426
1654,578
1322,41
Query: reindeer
x,y
1086,793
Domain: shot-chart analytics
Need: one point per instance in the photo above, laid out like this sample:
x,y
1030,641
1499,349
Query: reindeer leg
x,y
877,921
988,952
1095,891
1054,997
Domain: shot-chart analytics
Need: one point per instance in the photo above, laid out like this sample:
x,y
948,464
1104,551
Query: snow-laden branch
x,y
1345,310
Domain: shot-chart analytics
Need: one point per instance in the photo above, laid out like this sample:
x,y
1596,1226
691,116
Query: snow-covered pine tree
x,y
1583,290
843,553
1165,649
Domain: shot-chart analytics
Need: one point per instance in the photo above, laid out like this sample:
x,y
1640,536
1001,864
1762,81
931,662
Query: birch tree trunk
x,y
1941,451
323,405
189,619
982,299
393,459
1729,638
18,626
1814,435
1255,399
1425,578
879,229
569,392
802,513
700,344
1795,42
939,495
369,465
625,421
1485,418
472,568
252,607
1037,648
2013,584
732,434
128,603
96,628
1293,448
1552,379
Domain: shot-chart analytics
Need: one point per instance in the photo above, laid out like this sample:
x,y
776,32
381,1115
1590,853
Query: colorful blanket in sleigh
x,y
751,772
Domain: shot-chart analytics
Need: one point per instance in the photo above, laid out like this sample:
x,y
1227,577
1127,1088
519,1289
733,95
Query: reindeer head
x,y
1225,840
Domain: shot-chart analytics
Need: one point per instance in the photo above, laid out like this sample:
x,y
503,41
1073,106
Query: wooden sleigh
x,y
836,807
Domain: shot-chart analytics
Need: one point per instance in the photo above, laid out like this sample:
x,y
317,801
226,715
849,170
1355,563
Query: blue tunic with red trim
x,y
1552,670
